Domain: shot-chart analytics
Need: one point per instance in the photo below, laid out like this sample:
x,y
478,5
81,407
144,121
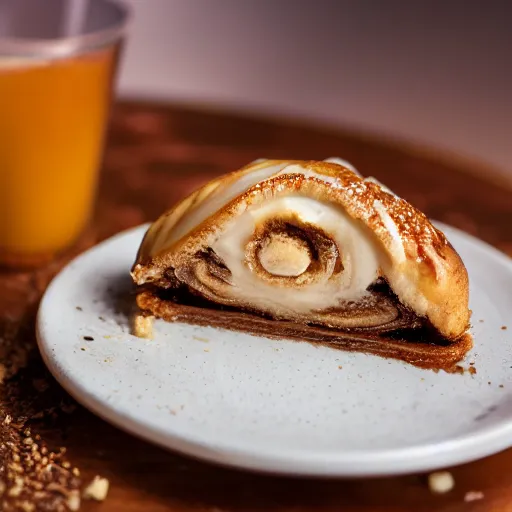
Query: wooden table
x,y
155,155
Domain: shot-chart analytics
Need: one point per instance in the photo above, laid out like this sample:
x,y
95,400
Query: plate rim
x,y
426,457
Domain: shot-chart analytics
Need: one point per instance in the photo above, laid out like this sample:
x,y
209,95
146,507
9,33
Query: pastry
x,y
310,251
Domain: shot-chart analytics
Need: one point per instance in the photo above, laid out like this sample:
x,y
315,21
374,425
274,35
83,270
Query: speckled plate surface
x,y
279,406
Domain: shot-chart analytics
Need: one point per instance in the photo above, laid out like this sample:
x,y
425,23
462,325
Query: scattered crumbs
x,y
473,496
340,367
143,326
199,338
461,370
440,482
78,308
88,338
97,489
35,478
501,386
82,349
503,327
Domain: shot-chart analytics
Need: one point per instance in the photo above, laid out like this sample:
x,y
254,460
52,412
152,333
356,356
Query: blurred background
x,y
437,72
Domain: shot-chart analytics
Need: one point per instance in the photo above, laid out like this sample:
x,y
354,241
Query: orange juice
x,y
52,123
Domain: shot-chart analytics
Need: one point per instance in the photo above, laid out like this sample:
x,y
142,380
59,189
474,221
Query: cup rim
x,y
21,47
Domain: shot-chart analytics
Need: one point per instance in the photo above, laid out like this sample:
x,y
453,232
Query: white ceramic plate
x,y
279,406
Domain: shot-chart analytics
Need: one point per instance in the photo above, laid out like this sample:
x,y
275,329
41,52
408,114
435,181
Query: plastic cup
x,y
57,65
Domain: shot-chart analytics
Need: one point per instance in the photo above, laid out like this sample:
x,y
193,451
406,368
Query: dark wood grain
x,y
155,155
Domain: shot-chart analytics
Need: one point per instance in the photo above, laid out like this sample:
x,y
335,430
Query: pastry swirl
x,y
311,243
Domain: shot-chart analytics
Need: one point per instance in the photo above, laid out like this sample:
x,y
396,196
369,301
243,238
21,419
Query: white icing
x,y
218,199
222,195
357,253
304,171
344,163
397,246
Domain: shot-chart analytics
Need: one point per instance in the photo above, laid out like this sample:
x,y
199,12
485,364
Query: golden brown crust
x,y
422,268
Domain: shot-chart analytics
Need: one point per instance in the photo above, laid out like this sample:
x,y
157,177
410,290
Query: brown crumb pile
x,y
33,477
35,473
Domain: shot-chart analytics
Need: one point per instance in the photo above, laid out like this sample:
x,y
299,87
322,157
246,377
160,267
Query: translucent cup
x,y
57,64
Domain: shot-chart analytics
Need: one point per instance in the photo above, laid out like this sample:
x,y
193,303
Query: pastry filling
x,y
378,313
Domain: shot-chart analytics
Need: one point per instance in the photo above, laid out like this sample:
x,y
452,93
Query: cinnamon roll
x,y
310,251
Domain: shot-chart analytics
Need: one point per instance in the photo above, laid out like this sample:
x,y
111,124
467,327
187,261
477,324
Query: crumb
x,y
78,308
88,338
173,412
472,370
26,506
422,379
481,321
97,489
489,383
473,496
82,349
440,482
502,386
503,327
73,501
199,338
143,326
472,363
206,350
101,318
340,367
